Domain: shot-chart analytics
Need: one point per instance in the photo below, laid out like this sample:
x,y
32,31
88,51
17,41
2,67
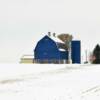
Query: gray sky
x,y
23,22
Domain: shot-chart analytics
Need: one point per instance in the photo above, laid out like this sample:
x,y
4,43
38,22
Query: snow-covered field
x,y
49,82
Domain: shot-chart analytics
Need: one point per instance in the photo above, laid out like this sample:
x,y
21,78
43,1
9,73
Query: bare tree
x,y
67,38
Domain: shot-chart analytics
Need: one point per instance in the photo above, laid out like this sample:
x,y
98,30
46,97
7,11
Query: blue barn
x,y
48,50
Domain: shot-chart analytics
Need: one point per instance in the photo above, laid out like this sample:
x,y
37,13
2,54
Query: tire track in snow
x,y
38,75
91,91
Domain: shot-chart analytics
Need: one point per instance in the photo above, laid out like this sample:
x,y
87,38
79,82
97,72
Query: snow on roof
x,y
62,49
27,56
56,39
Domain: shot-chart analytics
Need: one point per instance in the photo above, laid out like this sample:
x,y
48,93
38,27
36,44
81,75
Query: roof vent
x,y
54,34
49,34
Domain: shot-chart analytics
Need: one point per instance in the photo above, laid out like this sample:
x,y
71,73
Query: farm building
x,y
59,49
51,49
27,59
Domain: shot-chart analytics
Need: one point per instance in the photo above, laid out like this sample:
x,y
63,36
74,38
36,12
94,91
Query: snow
x,y
62,49
56,39
49,82
28,56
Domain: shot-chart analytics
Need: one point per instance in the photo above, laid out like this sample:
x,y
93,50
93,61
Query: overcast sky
x,y
23,22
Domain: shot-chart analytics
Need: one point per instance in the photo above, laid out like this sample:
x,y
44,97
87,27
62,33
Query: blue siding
x,y
46,49
76,52
64,54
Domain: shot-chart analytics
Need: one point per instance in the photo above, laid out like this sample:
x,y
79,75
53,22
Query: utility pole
x,y
86,55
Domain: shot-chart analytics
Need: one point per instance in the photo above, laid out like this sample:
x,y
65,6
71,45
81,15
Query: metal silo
x,y
76,51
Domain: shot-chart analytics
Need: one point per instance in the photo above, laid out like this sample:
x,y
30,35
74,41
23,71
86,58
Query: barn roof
x,y
60,44
27,56
60,49
57,40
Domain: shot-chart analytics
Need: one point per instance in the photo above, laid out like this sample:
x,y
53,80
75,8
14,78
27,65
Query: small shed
x,y
27,59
